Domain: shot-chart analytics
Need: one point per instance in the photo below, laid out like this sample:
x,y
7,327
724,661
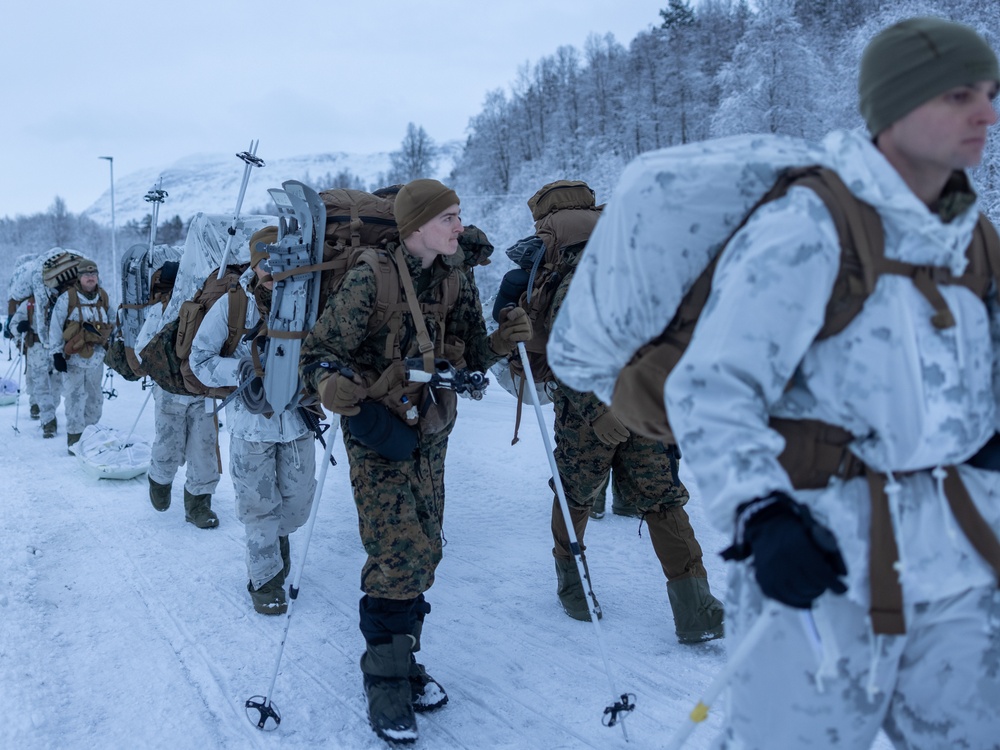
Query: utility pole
x,y
114,253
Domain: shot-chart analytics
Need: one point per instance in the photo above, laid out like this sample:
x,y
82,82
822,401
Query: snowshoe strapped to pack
x,y
295,297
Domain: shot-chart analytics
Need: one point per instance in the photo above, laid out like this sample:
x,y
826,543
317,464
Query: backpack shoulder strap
x,y
386,284
236,320
72,301
984,252
424,343
862,243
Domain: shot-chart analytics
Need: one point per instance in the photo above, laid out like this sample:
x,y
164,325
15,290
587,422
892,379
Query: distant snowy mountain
x,y
211,182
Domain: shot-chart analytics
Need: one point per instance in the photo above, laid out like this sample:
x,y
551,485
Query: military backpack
x,y
165,357
638,398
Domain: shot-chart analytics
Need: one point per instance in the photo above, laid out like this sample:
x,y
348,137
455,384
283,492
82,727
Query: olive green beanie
x,y
915,60
420,201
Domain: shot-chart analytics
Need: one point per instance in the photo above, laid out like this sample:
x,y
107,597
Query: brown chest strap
x,y
815,452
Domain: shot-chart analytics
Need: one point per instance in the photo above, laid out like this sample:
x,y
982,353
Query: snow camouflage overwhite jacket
x,y
212,369
914,396
91,311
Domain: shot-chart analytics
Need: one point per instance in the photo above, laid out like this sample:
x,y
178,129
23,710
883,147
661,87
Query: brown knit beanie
x,y
420,201
259,241
86,266
915,60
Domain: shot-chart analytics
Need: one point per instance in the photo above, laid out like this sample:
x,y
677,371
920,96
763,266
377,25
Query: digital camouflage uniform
x,y
646,476
400,504
83,400
401,501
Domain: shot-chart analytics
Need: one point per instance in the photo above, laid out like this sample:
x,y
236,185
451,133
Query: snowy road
x,y
121,627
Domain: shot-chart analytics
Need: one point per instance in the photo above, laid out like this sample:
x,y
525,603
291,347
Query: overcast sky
x,y
150,83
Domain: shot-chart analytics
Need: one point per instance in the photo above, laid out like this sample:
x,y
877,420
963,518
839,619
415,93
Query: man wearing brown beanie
x,y
396,430
874,580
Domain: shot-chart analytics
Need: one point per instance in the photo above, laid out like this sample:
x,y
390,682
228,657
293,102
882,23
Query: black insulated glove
x,y
22,326
59,362
795,558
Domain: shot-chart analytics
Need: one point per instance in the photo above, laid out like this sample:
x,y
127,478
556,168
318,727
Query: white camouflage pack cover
x,y
203,248
670,214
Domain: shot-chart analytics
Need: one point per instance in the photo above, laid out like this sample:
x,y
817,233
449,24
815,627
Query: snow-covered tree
x,y
416,156
775,82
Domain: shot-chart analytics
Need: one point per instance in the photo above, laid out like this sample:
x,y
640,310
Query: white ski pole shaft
x,y
17,404
152,225
141,410
155,196
13,365
251,161
700,712
293,589
529,386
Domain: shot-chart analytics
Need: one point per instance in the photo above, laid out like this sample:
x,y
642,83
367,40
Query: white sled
x,y
104,453
8,392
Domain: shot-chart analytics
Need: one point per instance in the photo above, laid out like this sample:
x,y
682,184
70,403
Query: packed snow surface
x,y
123,627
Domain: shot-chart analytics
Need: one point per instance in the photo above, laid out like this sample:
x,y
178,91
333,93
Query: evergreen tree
x,y
677,14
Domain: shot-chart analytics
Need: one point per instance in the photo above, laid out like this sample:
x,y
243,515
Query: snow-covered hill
x,y
211,182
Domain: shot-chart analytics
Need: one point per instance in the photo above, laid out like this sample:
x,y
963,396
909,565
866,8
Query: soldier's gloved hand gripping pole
x,y
262,713
623,702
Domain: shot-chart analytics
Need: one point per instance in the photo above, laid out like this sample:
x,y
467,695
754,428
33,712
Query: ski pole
x,y
14,364
251,160
136,422
109,384
155,196
259,707
700,712
17,403
622,702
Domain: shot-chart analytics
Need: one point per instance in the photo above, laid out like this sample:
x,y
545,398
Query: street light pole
x,y
114,253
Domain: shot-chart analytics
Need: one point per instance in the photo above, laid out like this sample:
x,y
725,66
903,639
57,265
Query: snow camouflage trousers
x,y
645,472
45,388
937,686
400,514
84,402
185,433
275,484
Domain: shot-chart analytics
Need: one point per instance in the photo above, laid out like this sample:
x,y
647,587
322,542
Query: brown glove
x,y
609,429
514,328
341,395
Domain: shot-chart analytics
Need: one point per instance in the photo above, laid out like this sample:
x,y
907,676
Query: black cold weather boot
x,y
386,669
426,693
269,599
159,494
286,555
698,615
72,439
35,411
198,510
569,589
49,428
